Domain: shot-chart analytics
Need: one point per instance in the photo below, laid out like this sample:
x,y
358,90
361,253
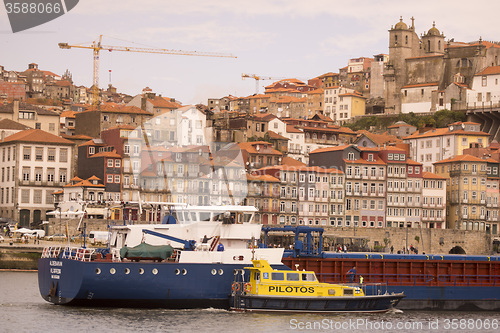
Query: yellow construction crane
x,y
257,79
96,46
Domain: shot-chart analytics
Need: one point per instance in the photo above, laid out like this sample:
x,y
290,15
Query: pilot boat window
x,y
277,276
193,217
247,217
256,276
308,277
348,291
204,216
292,276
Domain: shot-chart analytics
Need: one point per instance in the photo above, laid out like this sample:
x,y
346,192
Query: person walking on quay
x,y
351,274
392,249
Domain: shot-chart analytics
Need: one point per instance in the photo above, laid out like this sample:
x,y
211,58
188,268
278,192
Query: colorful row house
x,y
472,192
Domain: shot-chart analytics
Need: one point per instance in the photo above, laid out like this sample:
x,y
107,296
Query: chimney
x,y
15,110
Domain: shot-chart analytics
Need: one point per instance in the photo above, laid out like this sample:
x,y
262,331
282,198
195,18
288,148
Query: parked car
x,y
36,234
56,237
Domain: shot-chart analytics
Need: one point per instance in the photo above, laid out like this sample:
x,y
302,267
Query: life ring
x,y
247,287
236,286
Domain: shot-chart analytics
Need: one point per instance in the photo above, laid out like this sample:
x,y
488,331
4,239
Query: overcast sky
x,y
278,38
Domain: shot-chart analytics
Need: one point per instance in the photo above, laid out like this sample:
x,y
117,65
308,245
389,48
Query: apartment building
x,y
34,165
466,191
441,143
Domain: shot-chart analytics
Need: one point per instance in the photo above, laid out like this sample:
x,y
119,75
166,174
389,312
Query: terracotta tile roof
x,y
292,162
292,129
60,83
443,131
118,108
327,149
352,95
94,177
91,142
412,162
37,135
324,118
75,179
111,154
77,137
465,122
84,183
430,84
9,108
250,148
275,136
430,175
316,91
264,116
68,114
162,102
460,158
492,70
379,139
12,125
262,178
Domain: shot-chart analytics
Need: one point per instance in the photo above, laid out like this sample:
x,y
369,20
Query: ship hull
x,y
136,284
258,303
466,283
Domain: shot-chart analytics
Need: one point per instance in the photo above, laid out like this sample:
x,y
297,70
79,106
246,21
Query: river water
x,y
23,310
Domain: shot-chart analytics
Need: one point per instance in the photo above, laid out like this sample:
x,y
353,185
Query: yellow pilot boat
x,y
300,291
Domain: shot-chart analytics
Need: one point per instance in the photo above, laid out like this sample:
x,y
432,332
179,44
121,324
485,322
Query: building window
x,y
63,155
91,150
27,153
25,196
38,174
62,175
38,154
51,155
117,179
26,174
37,196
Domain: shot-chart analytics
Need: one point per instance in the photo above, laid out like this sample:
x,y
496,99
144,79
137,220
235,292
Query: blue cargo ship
x,y
200,271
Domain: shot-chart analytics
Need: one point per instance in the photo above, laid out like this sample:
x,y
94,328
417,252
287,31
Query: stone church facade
x,y
427,73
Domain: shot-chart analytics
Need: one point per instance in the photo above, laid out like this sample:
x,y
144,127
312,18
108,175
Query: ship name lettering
x,y
291,289
55,270
55,263
57,277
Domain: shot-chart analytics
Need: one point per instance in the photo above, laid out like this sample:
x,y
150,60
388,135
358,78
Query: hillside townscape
x,y
392,150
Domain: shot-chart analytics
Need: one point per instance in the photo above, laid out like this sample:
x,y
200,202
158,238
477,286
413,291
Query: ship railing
x,y
73,253
51,252
415,279
419,279
469,280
